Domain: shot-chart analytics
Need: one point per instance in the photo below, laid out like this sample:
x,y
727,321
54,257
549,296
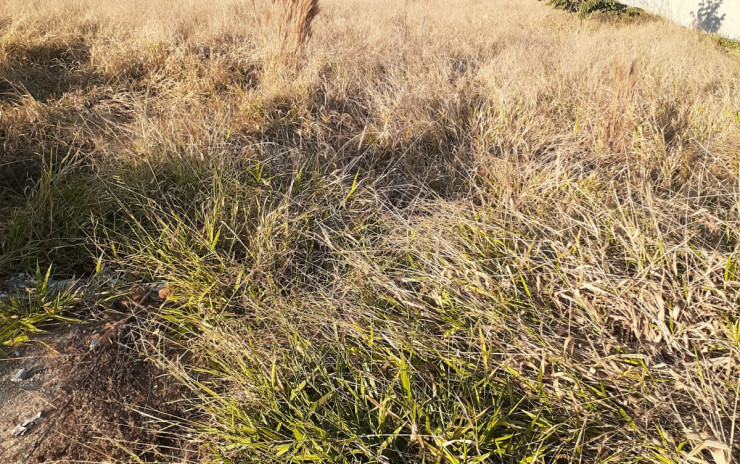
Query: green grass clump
x,y
321,322
29,312
725,43
587,7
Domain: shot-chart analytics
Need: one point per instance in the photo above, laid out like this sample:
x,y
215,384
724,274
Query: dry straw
x,y
455,231
287,24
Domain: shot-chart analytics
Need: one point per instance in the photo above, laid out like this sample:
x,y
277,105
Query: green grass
x,y
324,324
25,314
585,8
327,326
727,44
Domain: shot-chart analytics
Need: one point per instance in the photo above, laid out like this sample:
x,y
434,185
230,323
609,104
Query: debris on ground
x,y
23,283
84,397
107,334
23,428
20,376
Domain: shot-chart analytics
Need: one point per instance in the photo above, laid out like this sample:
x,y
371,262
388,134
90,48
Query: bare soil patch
x,y
96,406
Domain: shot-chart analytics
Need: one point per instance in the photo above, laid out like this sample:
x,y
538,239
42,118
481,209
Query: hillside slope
x,y
442,231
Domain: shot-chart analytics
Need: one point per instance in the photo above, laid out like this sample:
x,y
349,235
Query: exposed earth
x,y
84,395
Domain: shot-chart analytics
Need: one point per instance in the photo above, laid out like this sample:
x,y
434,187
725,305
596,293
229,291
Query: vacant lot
x,y
435,231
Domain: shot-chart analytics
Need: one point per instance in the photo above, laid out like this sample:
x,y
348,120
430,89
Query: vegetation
x,y
587,7
727,44
432,232
23,314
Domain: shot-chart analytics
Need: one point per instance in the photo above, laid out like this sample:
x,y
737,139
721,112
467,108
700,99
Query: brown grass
x,y
446,231
286,25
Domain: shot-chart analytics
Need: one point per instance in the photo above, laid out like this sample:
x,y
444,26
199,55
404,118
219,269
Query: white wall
x,y
720,16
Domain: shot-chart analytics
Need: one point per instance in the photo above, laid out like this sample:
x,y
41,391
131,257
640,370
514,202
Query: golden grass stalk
x,y
288,23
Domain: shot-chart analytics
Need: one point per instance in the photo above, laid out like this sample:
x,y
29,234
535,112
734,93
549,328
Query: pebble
x,y
25,426
19,376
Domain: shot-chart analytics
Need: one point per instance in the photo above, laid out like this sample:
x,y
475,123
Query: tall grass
x,y
286,25
446,235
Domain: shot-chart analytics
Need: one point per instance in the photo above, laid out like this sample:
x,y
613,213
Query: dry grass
x,y
444,231
293,19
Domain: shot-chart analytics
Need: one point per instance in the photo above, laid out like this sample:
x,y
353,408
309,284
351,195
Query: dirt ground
x,y
96,405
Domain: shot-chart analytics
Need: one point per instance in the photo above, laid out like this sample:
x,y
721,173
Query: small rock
x,y
23,428
32,421
20,376
163,292
61,285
